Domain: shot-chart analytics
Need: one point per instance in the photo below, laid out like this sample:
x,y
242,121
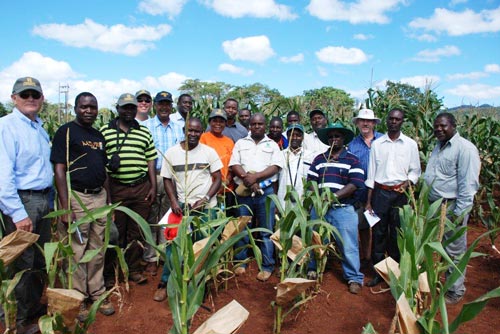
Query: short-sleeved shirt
x,y
137,149
256,156
191,171
87,155
224,148
235,131
336,174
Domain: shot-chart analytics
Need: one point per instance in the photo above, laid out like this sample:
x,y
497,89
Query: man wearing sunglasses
x,y
26,180
144,104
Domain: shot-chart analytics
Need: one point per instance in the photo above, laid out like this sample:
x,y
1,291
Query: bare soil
x,y
332,310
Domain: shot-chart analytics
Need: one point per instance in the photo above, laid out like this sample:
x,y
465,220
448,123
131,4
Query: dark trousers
x,y
128,230
386,204
30,288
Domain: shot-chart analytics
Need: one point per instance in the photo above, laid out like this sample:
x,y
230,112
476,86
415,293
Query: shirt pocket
x,y
447,166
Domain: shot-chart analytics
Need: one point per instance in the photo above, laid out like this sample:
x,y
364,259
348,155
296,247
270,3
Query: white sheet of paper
x,y
372,219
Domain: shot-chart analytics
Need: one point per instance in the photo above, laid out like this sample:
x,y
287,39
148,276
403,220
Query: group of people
x,y
153,163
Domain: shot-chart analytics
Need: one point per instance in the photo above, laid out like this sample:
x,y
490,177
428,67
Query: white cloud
x,y
470,76
435,55
456,2
363,37
341,55
251,8
256,48
421,81
235,69
459,23
492,68
323,72
171,8
130,41
426,38
477,92
298,58
358,11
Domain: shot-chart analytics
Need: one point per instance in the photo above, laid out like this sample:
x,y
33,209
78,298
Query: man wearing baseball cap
x,y
338,171
144,104
25,183
165,134
132,157
360,147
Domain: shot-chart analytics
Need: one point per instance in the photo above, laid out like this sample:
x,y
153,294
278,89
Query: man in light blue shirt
x,y
25,182
166,134
453,175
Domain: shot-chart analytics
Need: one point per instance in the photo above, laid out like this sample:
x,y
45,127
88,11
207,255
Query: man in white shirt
x,y
311,142
297,162
184,107
394,163
255,160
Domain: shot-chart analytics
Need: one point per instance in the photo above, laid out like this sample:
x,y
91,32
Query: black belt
x,y
133,183
93,191
32,191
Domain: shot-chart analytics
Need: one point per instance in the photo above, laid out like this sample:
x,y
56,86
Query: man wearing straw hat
x,y
360,147
339,171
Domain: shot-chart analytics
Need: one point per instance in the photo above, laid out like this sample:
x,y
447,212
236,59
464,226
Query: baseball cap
x,y
316,111
295,127
143,92
125,99
218,113
163,96
26,83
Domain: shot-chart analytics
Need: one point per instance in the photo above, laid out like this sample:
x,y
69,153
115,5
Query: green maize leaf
x,y
13,282
90,254
470,310
58,213
45,324
93,310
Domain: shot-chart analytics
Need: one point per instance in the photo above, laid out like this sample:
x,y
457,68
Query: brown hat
x,y
26,83
125,99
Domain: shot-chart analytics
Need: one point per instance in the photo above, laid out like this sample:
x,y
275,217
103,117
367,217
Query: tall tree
x,y
335,102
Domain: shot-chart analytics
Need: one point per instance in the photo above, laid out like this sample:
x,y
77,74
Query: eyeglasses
x,y
27,93
144,100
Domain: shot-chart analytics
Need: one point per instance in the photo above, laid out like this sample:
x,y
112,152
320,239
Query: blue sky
x,y
109,47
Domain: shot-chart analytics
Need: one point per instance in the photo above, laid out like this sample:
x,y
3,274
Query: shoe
x,y
312,275
240,271
375,281
138,278
452,298
109,283
263,275
22,327
161,293
83,314
106,308
354,287
151,268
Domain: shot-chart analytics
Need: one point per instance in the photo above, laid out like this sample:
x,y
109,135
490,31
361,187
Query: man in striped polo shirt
x,y
131,154
340,172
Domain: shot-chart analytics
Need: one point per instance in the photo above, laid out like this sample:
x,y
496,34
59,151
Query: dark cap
x,y
295,127
315,112
143,92
26,83
125,99
218,113
163,96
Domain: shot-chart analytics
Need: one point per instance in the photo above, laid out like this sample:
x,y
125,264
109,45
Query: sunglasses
x,y
27,93
144,100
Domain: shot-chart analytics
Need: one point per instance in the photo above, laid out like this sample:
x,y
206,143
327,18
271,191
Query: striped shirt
x,y
135,152
336,174
164,136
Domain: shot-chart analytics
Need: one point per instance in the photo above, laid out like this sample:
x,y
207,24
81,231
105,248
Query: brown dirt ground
x,y
332,310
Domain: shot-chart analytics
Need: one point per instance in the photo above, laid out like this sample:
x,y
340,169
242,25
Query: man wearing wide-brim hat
x,y
339,171
360,146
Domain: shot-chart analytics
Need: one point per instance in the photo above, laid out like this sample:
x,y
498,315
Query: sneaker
x,y
354,287
106,307
452,298
263,275
160,294
138,278
240,271
312,275
151,268
83,314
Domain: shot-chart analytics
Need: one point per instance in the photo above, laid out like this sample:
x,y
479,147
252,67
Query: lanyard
x,y
294,182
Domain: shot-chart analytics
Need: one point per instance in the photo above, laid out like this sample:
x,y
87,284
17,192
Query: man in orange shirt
x,y
223,145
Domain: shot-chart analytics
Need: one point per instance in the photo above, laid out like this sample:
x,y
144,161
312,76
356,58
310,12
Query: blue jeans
x,y
345,220
166,266
264,219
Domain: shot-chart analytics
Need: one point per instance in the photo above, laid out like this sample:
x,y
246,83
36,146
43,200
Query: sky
x,y
111,47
